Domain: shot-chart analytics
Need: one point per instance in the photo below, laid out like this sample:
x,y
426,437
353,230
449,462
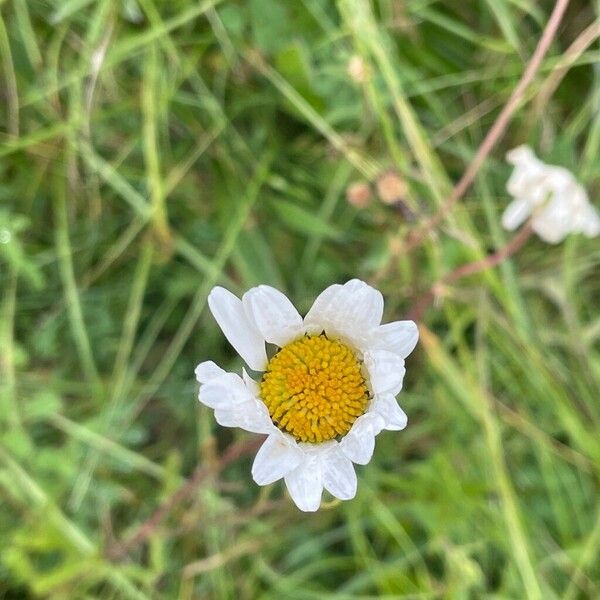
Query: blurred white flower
x,y
328,390
550,195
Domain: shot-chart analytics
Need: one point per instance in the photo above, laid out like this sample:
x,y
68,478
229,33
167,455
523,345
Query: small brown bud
x,y
391,188
358,194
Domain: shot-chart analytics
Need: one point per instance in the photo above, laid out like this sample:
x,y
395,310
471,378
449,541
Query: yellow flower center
x,y
314,389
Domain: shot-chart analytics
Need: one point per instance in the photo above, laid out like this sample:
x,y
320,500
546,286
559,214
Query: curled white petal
x,y
224,391
516,213
399,337
241,333
525,178
251,415
276,458
305,484
339,477
349,311
273,315
387,407
385,371
520,154
207,370
359,443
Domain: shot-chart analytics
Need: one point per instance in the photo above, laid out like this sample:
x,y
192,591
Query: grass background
x,y
150,150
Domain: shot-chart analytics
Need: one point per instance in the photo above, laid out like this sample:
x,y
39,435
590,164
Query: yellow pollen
x,y
314,389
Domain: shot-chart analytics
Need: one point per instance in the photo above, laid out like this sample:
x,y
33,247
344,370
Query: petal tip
x,y
218,291
206,371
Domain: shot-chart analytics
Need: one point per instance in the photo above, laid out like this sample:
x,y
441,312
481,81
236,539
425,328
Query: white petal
x,y
273,314
349,311
305,484
527,173
591,228
251,415
559,178
358,304
516,213
538,192
240,332
527,179
320,311
207,370
399,337
339,477
276,458
252,386
554,222
359,443
224,391
387,406
548,231
520,154
517,182
587,219
385,371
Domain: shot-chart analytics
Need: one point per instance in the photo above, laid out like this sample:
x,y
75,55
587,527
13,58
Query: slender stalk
x,y
148,526
154,179
8,387
497,130
119,375
67,274
513,246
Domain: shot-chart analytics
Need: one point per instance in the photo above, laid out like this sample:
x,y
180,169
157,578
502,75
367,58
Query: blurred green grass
x,y
149,150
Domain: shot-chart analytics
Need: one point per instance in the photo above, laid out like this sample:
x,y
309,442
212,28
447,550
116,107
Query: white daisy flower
x,y
328,389
550,195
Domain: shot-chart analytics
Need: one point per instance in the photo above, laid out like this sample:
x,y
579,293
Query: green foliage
x,y
151,150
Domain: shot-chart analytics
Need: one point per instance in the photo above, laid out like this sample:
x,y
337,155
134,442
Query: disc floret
x,y
314,389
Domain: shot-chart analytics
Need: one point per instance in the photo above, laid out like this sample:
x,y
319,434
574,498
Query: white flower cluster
x,y
550,195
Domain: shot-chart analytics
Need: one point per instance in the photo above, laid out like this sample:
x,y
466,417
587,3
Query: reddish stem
x,y
513,246
236,450
497,130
